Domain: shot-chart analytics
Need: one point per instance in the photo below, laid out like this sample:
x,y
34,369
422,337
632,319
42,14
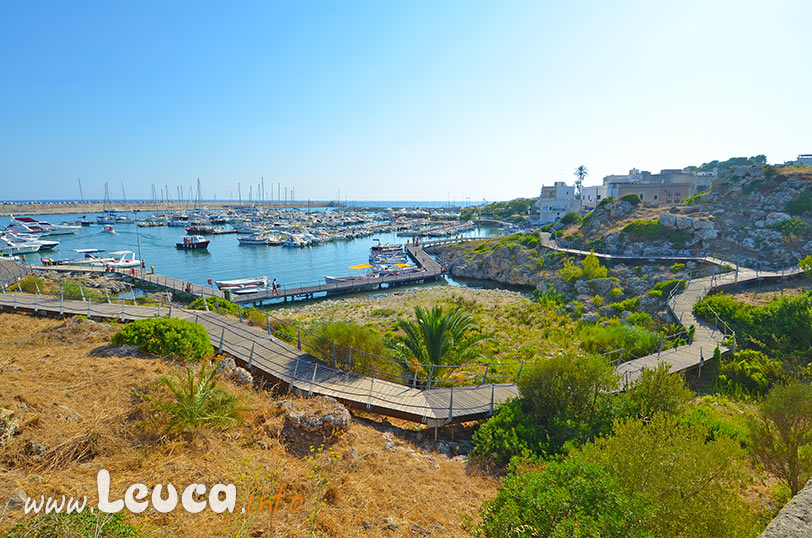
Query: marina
x,y
310,254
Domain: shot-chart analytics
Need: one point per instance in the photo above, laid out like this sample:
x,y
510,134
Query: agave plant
x,y
439,338
196,402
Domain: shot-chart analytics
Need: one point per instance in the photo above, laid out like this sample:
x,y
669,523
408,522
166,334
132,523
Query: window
x,y
655,196
641,195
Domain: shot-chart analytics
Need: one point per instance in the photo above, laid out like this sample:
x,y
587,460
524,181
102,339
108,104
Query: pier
x,y
431,270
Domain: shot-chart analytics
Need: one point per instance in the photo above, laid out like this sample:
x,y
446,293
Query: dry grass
x,y
766,292
80,408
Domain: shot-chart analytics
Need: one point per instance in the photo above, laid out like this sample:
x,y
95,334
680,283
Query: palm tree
x,y
438,340
195,403
580,173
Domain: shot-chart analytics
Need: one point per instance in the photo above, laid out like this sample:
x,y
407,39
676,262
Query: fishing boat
x,y
42,227
193,242
199,229
121,258
242,283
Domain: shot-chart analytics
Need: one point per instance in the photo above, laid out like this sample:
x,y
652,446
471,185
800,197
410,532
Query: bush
x,y
571,218
749,374
793,228
597,301
346,334
616,293
677,267
568,498
83,524
667,286
801,205
592,268
215,304
167,337
659,391
603,339
644,230
633,199
631,305
508,434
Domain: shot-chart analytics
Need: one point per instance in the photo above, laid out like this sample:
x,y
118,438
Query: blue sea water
x,y
225,259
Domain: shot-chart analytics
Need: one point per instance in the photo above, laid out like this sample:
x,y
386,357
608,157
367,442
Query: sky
x,y
397,100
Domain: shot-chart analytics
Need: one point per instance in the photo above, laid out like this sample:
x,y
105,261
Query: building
x,y
805,160
592,196
670,186
555,201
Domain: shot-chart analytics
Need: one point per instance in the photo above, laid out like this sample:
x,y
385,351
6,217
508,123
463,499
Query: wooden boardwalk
x,y
285,363
707,336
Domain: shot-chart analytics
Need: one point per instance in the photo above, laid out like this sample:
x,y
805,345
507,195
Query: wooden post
x,y
334,354
196,315
88,310
170,308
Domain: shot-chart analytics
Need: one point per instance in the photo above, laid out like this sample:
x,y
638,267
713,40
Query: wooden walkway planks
x,y
301,371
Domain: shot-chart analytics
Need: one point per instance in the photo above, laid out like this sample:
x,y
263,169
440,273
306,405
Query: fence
x,y
286,363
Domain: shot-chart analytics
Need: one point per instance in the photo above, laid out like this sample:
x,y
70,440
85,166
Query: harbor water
x,y
225,258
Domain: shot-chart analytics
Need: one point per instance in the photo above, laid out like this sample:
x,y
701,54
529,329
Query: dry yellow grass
x,y
82,410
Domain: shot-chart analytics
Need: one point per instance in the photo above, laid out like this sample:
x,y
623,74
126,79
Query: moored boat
x,y
242,283
193,242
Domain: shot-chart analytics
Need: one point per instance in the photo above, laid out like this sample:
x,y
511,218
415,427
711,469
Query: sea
x,y
225,258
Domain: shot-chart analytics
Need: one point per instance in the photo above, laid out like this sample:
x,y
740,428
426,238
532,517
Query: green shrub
x,y
606,201
85,524
597,301
793,228
529,241
749,374
644,230
509,433
708,413
592,268
667,286
166,337
616,293
603,339
781,327
571,218
693,199
631,305
215,304
677,267
346,335
633,199
655,293
801,205
562,499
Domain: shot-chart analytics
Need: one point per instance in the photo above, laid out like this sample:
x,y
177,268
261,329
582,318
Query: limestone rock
x,y
322,423
775,218
9,425
17,500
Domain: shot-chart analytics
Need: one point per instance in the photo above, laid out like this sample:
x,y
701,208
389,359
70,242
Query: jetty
x,y
430,270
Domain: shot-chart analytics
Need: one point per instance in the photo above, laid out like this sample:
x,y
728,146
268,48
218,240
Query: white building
x,y
592,196
805,160
556,201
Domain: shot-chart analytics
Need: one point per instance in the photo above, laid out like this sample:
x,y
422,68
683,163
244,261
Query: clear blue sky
x,y
410,100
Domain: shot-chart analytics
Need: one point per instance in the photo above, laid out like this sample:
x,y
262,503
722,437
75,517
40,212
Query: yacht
x,y
41,227
121,258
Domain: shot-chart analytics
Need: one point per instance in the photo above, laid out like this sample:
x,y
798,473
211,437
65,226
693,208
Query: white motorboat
x,y
33,239
41,227
242,283
121,258
9,247
89,257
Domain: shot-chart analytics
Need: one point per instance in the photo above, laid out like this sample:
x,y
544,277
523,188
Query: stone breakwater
x,y
79,208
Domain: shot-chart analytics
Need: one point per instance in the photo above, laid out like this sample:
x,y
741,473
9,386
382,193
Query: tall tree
x,y
781,434
580,173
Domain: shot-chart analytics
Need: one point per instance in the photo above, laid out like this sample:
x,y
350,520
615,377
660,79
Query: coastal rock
x,y
590,318
667,220
322,423
776,218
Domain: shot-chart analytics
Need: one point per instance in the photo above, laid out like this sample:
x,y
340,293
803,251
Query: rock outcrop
x,y
322,423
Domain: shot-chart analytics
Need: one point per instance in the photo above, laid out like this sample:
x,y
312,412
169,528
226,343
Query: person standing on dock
x,y
274,287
